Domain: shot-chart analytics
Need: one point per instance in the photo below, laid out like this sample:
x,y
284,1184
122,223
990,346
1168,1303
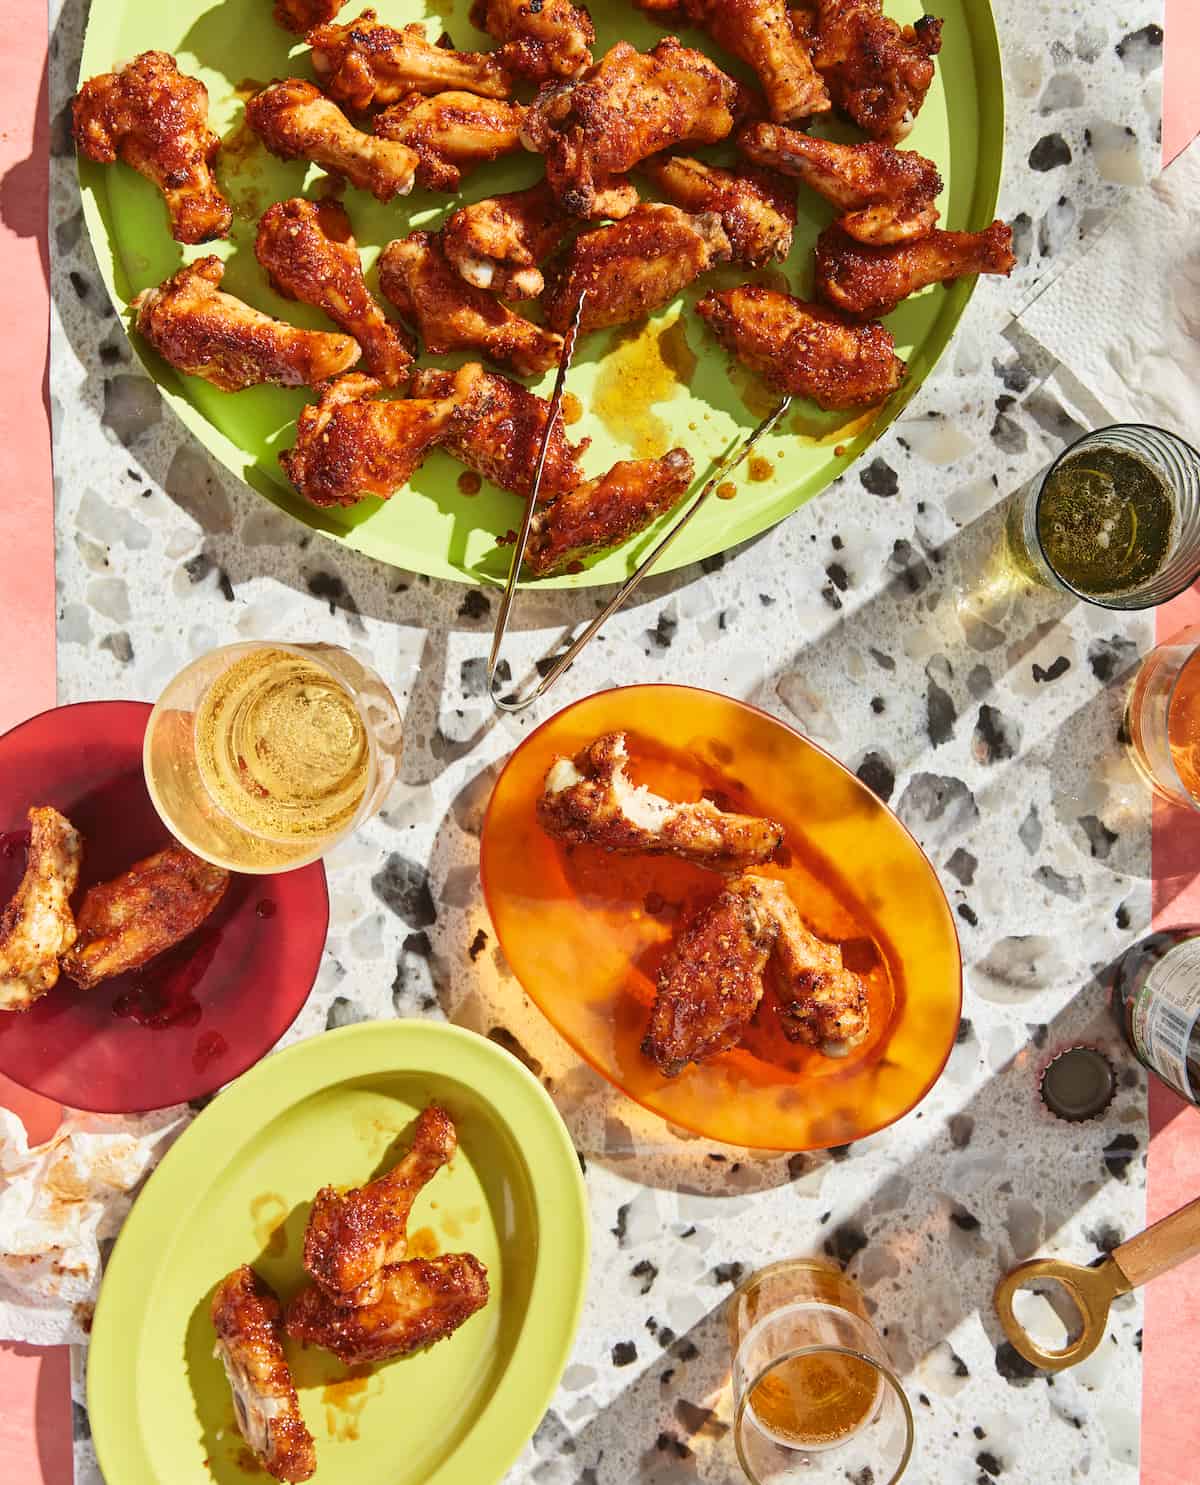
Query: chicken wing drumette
x,y
452,134
297,122
155,118
309,252
806,350
543,39
303,15
870,281
756,207
37,926
365,62
888,195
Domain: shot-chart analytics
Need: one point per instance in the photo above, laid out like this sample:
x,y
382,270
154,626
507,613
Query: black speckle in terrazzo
x,y
198,567
1013,1367
1106,1237
646,1273
668,1443
478,944
699,1420
226,586
1029,832
119,645
728,1273
1123,916
962,866
113,352
1051,151
1062,886
961,1127
830,595
624,1353
1038,1032
877,773
908,566
878,705
940,713
996,737
619,1230
968,914
663,632
80,1427
683,1349
1008,435
883,660
965,1221
552,1436
766,600
935,799
964,1032
403,887
988,1462
1141,51
1137,1340
1100,838
838,576
330,587
343,1012
472,675
511,1044
979,681
1022,229
1118,1154
1051,672
844,1242
475,605
879,478
1109,657
1015,375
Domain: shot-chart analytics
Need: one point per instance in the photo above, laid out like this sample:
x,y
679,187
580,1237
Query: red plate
x,y
198,1015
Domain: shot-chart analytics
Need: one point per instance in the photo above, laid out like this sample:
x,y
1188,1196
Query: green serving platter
x,y
643,388
236,1189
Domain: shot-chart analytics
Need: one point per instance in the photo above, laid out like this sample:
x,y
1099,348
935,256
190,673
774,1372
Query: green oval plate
x,y
236,1189
656,386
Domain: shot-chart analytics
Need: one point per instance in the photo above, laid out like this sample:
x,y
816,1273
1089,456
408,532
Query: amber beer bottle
x,y
1156,998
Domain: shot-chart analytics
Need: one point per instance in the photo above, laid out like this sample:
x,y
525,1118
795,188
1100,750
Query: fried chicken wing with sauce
x,y
452,134
155,118
756,207
303,15
630,105
421,1301
888,195
877,71
451,315
806,350
308,250
297,122
246,1316
200,329
872,281
37,925
156,904
542,39
365,63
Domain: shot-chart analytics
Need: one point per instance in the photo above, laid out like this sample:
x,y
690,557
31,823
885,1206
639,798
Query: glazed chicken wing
x,y
365,63
309,252
303,15
157,903
36,926
630,105
888,195
591,800
452,133
155,118
757,209
633,267
246,1317
297,122
451,315
192,324
542,38
871,281
421,1301
805,350
877,71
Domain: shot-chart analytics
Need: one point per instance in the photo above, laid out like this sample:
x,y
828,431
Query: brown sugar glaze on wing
x,y
452,133
303,15
872,281
37,925
155,118
757,208
543,39
365,63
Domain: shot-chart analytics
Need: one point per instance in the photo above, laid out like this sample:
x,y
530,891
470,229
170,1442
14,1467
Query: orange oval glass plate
x,y
585,932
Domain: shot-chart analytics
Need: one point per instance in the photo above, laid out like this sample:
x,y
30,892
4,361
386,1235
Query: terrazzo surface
x,y
989,722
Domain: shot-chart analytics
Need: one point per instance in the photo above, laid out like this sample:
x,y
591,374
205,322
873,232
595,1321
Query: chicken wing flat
x,y
364,63
37,926
888,195
157,903
451,315
711,982
806,350
542,39
452,133
246,1316
303,15
633,267
630,105
877,71
155,118
421,1301
757,208
352,444
297,122
192,324
351,1236
591,800
872,281
309,252
497,431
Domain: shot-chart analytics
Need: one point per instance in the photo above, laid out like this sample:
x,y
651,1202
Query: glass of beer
x,y
1163,719
815,1397
1115,521
260,757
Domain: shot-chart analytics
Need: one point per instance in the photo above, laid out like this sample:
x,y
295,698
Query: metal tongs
x,y
564,662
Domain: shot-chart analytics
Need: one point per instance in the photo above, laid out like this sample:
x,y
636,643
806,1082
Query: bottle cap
x,y
1078,1084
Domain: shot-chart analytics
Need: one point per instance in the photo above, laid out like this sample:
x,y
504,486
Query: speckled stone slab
x,y
990,723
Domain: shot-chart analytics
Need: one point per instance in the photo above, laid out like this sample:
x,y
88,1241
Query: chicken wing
x,y
309,252
125,923
192,324
711,982
591,800
351,1236
451,315
37,925
365,63
805,350
877,71
246,1316
888,195
630,105
497,431
452,133
422,1300
872,281
155,118
633,267
303,15
757,208
350,444
297,122
543,39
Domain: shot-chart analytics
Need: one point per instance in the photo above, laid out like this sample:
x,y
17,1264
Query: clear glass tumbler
x,y
1163,719
261,756
815,1396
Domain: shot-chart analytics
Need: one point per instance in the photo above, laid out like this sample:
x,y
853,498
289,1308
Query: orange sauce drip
x,y
469,482
344,1403
760,468
646,365
423,1243
726,490
817,430
572,408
